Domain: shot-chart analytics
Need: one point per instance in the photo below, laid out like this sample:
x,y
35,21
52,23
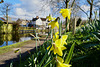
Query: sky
x,y
27,9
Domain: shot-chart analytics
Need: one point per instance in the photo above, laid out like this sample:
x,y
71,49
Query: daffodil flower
x,y
49,17
66,13
53,24
63,39
16,50
61,62
56,36
57,47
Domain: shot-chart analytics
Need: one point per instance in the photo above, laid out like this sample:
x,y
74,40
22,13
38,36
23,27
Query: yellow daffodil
x,y
53,24
65,13
54,18
61,62
56,36
49,17
57,47
63,39
16,50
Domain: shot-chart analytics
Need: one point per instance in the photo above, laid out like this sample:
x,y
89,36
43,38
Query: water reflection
x,y
8,39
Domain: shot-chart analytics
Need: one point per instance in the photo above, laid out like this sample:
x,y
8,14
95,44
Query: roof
x,y
2,19
43,19
34,19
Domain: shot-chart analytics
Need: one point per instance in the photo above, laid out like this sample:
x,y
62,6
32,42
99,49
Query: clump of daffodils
x,y
58,42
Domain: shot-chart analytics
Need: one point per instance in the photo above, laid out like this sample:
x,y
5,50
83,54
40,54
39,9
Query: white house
x,y
39,23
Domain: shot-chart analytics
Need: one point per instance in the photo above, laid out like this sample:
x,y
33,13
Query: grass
x,y
16,45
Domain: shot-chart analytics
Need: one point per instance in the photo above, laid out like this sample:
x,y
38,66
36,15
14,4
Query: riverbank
x,y
9,56
8,48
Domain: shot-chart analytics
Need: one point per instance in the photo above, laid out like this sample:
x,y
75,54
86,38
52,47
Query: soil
x,y
7,58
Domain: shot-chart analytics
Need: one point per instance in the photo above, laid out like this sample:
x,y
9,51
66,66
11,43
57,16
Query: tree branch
x,y
82,9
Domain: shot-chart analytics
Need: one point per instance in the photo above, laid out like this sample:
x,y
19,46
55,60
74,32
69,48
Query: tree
x,y
56,5
1,1
96,4
91,7
5,9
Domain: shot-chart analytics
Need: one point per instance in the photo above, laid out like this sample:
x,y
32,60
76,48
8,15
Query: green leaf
x,y
96,37
79,58
45,65
89,45
11,64
44,56
68,58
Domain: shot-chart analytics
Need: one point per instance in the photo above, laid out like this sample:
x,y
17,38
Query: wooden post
x,y
74,25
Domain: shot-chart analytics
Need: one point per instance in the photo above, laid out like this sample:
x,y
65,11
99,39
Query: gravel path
x,y
8,57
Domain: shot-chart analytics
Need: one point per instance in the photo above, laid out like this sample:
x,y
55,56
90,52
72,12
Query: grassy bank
x,y
16,45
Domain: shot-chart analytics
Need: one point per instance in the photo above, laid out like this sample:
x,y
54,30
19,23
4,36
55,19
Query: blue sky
x,y
13,1
27,9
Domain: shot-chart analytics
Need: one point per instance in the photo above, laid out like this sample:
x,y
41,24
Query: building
x,y
2,19
22,22
39,23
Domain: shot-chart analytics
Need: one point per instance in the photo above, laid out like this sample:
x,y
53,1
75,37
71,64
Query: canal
x,y
9,39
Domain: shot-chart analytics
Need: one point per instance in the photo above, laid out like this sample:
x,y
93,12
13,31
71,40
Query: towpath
x,y
8,57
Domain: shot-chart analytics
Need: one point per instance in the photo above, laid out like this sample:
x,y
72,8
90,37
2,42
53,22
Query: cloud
x,y
17,5
31,8
20,11
98,4
85,7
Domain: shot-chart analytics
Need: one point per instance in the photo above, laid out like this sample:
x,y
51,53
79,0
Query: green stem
x,y
36,43
20,57
39,43
45,65
51,36
59,28
68,58
44,56
32,60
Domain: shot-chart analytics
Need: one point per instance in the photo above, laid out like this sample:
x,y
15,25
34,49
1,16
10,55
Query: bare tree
x,y
5,9
91,7
1,1
56,5
96,4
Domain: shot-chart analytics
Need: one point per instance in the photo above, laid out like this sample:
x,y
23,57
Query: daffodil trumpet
x,y
54,23
66,13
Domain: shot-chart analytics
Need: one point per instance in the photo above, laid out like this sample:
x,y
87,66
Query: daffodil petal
x,y
59,52
57,25
58,42
63,48
60,59
64,37
52,48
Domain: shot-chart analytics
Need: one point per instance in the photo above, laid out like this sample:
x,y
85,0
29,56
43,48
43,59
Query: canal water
x,y
9,39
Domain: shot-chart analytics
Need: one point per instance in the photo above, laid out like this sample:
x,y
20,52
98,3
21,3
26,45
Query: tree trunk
x,y
91,7
7,18
74,25
66,21
99,13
